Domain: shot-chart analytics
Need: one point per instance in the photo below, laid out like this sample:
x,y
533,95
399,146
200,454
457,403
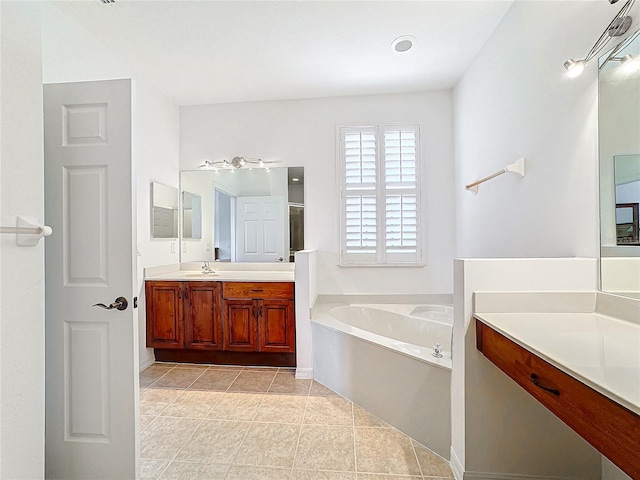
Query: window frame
x,y
381,257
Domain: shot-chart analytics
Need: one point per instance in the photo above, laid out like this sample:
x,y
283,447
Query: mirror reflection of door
x,y
224,232
260,229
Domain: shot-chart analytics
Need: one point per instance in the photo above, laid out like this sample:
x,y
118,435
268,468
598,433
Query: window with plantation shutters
x,y
379,168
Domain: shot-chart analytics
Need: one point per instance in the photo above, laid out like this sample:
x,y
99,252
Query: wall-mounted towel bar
x,y
28,231
516,167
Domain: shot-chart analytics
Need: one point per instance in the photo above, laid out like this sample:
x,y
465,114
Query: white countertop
x,y
223,272
226,276
599,350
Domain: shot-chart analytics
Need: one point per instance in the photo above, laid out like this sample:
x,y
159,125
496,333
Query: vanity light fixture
x,y
618,26
235,163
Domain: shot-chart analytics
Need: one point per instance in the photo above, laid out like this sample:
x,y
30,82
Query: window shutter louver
x,y
400,179
380,197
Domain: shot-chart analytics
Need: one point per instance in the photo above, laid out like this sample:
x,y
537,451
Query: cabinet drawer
x,y
606,425
283,290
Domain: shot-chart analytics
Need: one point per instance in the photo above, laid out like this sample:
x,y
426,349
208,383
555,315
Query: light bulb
x,y
574,68
630,64
260,163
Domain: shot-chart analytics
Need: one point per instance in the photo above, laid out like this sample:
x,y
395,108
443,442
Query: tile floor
x,y
214,422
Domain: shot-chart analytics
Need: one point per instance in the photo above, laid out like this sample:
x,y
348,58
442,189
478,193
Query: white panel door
x,y
260,229
91,358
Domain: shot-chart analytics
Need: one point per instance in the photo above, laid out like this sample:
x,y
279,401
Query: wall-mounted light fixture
x,y
628,63
236,163
618,26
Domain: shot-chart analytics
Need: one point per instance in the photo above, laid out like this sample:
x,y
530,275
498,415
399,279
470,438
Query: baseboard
x,y
456,466
146,362
304,373
460,474
506,476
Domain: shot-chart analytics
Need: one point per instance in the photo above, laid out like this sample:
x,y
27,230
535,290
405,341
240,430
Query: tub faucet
x,y
437,350
205,267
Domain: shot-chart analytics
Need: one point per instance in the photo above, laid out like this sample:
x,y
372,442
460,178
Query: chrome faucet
x,y
206,268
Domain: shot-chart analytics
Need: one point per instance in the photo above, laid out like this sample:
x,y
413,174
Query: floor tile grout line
x,y
272,380
233,381
251,422
415,454
164,470
295,451
355,445
187,440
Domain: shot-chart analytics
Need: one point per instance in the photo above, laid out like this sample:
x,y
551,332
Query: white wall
x,y
22,268
156,136
514,101
303,133
70,53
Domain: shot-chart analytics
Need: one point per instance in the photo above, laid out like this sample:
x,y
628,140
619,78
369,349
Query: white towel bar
x,y
28,231
516,167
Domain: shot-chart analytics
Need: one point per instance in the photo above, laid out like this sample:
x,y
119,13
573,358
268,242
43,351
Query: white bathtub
x,y
409,329
380,356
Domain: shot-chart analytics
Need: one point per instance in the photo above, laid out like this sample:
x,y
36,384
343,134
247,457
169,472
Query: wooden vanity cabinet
x,y
241,333
203,315
165,326
259,317
184,315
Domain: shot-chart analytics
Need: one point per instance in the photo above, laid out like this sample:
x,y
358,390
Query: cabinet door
x,y
241,326
165,328
202,315
277,326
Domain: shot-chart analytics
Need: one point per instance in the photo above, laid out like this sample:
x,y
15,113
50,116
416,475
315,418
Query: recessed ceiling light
x,y
403,43
295,179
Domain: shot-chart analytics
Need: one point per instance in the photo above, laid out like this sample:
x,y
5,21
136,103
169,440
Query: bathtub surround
x,y
402,384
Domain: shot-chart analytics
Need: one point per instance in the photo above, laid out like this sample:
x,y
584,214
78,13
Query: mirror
x,y
191,215
164,211
248,215
619,145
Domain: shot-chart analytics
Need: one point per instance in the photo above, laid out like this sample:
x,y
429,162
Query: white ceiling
x,y
202,52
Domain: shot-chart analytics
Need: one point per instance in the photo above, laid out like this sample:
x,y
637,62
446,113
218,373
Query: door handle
x,y
120,303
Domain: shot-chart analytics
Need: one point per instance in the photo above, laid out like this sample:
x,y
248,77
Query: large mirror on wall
x,y
164,211
246,215
619,145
